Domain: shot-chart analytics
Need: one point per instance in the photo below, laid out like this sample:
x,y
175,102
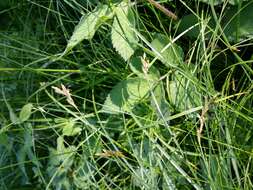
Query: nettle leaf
x,y
137,67
125,95
160,103
238,24
158,91
88,25
25,112
59,165
123,37
182,94
70,128
189,20
173,55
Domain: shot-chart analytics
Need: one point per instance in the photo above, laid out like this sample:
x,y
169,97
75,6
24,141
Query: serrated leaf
x,y
173,55
25,112
125,95
88,25
123,37
238,24
70,128
137,67
62,153
158,101
181,93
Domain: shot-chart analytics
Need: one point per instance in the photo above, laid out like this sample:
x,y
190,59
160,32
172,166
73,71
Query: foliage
x,y
216,2
235,23
119,95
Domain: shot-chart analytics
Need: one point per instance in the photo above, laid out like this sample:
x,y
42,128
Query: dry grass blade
x,y
110,153
163,9
66,92
202,120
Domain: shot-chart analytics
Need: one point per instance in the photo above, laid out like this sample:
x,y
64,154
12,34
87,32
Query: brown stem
x,y
163,9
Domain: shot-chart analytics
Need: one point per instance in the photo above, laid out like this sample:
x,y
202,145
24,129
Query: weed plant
x,y
126,94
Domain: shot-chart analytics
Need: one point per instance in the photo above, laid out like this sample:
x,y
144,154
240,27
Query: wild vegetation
x,y
126,94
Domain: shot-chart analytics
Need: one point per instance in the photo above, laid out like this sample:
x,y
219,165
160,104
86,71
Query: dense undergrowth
x,y
126,94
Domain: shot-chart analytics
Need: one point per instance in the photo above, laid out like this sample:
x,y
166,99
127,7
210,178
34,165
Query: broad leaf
x,y
26,151
6,4
59,164
172,56
189,20
158,101
88,25
25,112
238,24
125,95
182,93
70,128
123,37
137,67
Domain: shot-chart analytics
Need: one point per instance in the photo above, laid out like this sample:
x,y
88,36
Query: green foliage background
x,y
118,95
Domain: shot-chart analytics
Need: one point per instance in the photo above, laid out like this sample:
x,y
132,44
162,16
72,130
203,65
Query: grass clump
x,y
126,95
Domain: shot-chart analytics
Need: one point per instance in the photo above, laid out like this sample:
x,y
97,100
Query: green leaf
x,y
217,169
88,25
136,67
125,95
59,164
238,24
189,20
160,103
26,150
25,112
173,55
153,75
217,2
13,117
5,4
182,94
6,142
123,37
236,2
70,128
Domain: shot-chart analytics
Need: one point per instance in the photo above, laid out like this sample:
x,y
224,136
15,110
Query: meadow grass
x,y
192,130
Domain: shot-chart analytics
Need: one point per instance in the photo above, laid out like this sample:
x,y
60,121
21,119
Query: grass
x,y
192,130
